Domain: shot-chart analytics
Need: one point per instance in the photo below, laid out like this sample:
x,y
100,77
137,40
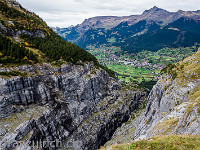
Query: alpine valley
x,y
137,47
56,95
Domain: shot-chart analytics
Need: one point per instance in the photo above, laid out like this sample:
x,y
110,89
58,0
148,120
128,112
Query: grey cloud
x,y
71,12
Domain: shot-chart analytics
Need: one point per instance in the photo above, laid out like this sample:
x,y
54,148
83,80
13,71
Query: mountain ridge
x,y
132,19
103,28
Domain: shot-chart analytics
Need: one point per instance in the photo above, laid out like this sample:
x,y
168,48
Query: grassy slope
x,y
186,71
183,142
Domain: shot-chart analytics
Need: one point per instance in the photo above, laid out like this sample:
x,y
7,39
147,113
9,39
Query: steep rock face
x,y
82,87
54,103
169,112
108,115
172,108
125,133
74,83
173,104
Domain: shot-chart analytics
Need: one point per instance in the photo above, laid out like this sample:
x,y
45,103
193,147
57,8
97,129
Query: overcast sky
x,y
63,13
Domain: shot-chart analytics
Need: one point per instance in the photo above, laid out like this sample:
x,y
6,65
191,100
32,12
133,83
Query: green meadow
x,y
141,67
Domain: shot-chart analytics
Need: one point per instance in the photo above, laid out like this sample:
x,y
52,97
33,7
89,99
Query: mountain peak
x,y
154,9
180,11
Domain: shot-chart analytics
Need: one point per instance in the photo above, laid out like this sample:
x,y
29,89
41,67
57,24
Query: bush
x,y
169,69
13,73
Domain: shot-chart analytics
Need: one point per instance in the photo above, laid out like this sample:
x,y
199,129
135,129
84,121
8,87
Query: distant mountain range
x,y
152,30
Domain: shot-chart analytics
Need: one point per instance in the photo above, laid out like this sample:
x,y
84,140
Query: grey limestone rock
x,y
57,103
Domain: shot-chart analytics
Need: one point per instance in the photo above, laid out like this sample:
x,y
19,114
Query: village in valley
x,y
144,66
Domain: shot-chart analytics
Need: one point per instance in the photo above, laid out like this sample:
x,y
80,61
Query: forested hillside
x,y
32,31
183,32
26,38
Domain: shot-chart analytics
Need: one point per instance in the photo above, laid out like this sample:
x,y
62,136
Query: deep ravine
x,y
79,105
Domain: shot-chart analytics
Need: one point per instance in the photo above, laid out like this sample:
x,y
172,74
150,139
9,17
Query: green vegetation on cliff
x,y
173,142
38,35
11,52
22,31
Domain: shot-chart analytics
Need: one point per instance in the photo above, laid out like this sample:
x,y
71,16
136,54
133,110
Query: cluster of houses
x,y
133,63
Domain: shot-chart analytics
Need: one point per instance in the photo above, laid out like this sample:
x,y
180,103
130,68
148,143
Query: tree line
x,y
11,52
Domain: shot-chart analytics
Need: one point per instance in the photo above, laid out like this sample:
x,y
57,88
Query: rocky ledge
x,y
77,105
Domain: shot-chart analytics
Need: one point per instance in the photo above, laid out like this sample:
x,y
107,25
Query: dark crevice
x,y
108,130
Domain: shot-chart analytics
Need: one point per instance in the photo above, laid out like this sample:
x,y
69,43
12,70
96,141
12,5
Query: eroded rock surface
x,y
172,108
79,105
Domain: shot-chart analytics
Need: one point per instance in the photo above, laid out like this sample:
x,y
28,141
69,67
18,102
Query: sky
x,y
64,13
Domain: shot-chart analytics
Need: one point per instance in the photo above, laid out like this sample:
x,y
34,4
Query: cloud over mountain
x,y
65,13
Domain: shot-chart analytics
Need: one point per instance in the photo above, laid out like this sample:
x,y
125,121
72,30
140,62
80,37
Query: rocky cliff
x,y
172,108
79,105
173,104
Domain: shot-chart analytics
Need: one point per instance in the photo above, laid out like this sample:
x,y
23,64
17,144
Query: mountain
x,y
171,113
134,33
54,92
53,98
180,33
